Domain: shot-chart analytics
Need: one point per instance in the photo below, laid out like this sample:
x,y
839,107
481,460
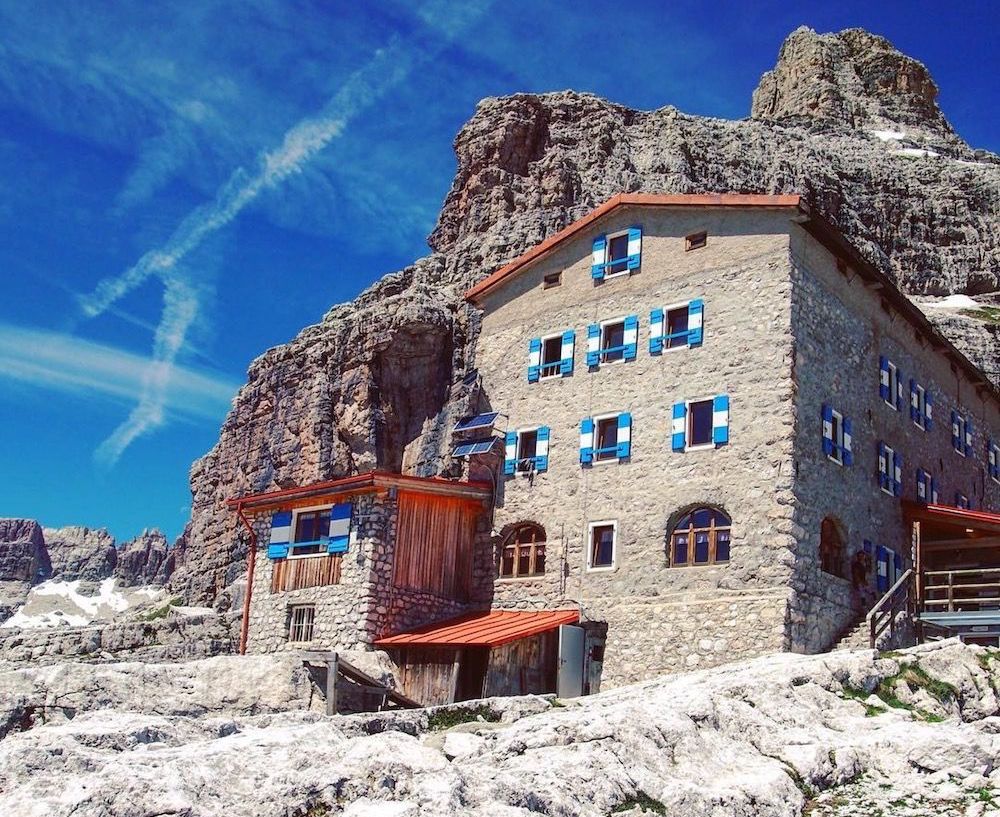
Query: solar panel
x,y
474,447
479,421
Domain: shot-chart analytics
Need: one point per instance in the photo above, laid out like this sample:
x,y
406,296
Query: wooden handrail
x,y
964,571
888,604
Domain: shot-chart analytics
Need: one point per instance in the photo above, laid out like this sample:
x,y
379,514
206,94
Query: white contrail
x,y
388,67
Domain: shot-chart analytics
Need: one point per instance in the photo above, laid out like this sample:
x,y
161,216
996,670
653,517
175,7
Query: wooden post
x,y
331,684
951,592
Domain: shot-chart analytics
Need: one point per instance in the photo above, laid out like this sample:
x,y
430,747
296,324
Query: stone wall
x,y
841,328
743,277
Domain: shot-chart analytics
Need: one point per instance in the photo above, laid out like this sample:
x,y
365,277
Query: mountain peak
x,y
852,78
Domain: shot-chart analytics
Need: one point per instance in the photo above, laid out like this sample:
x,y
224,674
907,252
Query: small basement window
x,y
607,438
312,532
551,356
699,430
527,448
601,555
617,254
301,618
553,279
612,341
696,241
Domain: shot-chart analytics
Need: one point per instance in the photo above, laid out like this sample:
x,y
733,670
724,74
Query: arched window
x,y
700,537
523,552
831,548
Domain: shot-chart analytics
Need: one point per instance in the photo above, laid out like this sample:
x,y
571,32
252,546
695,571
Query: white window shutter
x,y
568,346
587,440
599,257
534,359
634,247
594,345
720,419
542,449
631,336
510,453
624,435
696,320
678,427
655,331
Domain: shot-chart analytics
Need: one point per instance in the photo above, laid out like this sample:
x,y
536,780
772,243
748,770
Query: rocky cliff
x,y
844,119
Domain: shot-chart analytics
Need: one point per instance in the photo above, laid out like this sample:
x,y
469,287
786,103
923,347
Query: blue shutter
x,y
956,441
883,383
597,264
634,247
281,534
968,436
848,442
897,474
696,320
568,347
882,569
594,344
340,528
534,359
921,485
914,402
928,410
631,336
720,419
510,452
586,440
884,467
827,414
678,427
898,399
542,449
624,435
656,323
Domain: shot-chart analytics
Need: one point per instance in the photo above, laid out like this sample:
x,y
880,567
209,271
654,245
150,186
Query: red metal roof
x,y
622,199
490,628
948,515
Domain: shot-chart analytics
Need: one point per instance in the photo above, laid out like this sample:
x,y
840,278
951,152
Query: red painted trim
x,y
491,628
952,515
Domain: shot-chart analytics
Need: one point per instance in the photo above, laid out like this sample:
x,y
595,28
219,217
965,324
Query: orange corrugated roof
x,y
484,629
661,200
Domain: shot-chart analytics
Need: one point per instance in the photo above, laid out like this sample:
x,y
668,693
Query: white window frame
x,y
600,345
921,419
666,324
292,625
541,356
517,451
963,430
838,439
893,385
614,546
607,255
890,472
689,418
295,520
596,419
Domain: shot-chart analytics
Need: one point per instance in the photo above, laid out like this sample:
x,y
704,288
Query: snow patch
x,y
887,135
952,302
916,153
54,603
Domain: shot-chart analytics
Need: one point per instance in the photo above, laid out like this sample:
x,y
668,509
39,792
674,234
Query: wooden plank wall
x,y
524,667
427,675
434,544
311,571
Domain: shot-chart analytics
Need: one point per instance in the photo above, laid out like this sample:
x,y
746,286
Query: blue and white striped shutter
x,y
510,452
566,355
921,485
883,468
634,247
899,390
678,427
993,460
928,411
542,449
882,569
281,534
934,491
696,320
624,435
655,331
956,442
586,440
914,402
340,528
720,419
897,473
631,336
598,258
594,345
845,425
827,430
534,359
968,436
883,383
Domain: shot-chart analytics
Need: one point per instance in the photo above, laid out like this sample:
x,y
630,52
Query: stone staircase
x,y
854,638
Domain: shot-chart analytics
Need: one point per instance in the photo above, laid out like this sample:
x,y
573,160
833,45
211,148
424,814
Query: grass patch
x,y
987,314
643,801
915,678
985,795
859,695
163,611
447,718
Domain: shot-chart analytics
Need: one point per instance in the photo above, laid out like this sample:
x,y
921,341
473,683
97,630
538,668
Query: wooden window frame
x,y
670,344
557,364
713,539
696,241
552,280
591,567
298,512
689,425
607,255
513,543
306,626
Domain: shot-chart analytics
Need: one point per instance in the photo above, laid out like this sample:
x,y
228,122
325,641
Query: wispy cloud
x,y
63,362
387,68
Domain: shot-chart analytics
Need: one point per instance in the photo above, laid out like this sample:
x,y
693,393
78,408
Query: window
x,y
607,438
553,279
617,254
312,532
833,435
925,486
695,241
700,424
961,434
889,383
700,537
699,430
552,356
831,548
677,327
993,460
612,341
301,618
918,404
527,448
523,553
601,555
890,466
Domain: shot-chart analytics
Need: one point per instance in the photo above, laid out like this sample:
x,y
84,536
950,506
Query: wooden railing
x,y
961,590
893,612
310,571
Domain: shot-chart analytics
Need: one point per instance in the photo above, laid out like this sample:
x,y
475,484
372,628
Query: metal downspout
x,y
251,561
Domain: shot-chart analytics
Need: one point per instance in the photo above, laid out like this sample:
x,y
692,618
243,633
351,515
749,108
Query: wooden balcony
x,y
961,591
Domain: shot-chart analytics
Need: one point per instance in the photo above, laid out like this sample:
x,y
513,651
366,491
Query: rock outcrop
x,y
23,561
80,553
147,559
847,733
844,119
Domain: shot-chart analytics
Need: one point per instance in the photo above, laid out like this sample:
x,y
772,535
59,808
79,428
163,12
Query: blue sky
x,y
188,184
